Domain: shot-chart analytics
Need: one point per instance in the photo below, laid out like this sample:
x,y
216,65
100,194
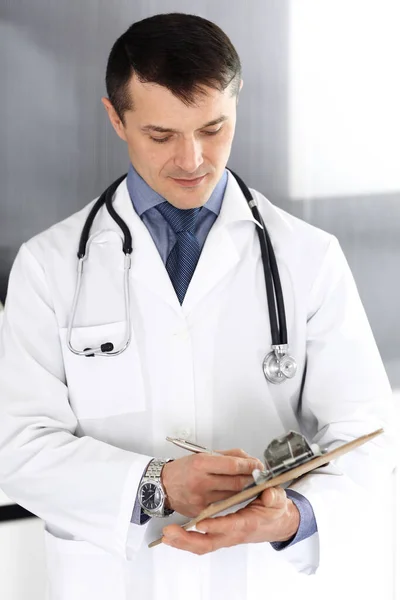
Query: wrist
x,y
164,482
151,493
291,522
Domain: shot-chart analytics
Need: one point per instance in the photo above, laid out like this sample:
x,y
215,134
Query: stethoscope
x,y
278,365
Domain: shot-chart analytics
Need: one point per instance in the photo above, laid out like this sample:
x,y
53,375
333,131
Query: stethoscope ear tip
x,y
88,355
107,347
104,348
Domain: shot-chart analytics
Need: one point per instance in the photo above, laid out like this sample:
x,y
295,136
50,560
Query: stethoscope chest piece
x,y
279,366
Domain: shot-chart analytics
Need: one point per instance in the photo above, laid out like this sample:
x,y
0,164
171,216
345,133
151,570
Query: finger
x,y
229,483
230,526
225,465
274,497
191,541
234,452
241,454
173,532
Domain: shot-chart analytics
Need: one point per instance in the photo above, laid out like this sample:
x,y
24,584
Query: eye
x,y
160,140
163,140
212,132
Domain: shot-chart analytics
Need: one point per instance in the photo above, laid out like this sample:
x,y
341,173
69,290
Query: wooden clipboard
x,y
295,473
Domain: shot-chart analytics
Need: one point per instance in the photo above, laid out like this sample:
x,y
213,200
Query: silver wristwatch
x,y
151,493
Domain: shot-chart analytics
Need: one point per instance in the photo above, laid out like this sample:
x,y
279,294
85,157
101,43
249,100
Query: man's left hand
x,y
272,517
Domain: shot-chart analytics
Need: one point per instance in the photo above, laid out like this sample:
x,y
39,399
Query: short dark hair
x,y
178,51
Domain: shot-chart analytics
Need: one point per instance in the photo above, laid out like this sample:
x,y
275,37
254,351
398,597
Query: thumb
x,y
273,497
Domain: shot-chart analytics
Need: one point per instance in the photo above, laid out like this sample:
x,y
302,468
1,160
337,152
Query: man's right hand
x,y
194,482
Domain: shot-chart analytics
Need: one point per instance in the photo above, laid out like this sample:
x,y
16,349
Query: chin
x,y
188,200
188,203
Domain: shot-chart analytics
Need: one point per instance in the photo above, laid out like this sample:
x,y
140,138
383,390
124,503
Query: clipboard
x,y
295,473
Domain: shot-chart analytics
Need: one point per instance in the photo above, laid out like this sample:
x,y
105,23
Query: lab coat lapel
x,y
220,253
147,267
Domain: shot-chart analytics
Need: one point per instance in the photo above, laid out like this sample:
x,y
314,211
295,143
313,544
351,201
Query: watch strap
x,y
155,467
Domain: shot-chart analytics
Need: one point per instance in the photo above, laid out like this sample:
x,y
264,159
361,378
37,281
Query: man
x,y
80,437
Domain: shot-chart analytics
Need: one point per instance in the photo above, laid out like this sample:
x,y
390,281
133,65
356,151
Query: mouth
x,y
189,182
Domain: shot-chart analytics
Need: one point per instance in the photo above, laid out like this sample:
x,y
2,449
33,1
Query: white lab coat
x,y
76,432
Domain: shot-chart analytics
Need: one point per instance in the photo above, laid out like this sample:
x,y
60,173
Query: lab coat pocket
x,y
103,386
78,570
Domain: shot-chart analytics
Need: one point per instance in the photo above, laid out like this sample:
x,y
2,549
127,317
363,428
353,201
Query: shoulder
x,y
62,236
65,235
307,252
285,225
291,235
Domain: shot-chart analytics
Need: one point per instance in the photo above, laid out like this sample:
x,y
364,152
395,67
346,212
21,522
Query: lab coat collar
x,y
234,206
219,255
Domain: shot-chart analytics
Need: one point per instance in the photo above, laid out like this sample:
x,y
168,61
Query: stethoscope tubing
x,y
128,333
276,305
105,198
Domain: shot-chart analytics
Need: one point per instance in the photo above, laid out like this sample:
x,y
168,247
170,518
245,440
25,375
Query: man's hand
x,y
194,482
270,518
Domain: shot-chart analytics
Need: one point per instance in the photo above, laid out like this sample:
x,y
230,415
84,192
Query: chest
x,y
189,371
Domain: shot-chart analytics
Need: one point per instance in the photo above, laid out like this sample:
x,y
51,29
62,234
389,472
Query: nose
x,y
189,155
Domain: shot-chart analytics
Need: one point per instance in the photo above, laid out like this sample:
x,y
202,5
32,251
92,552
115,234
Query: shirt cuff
x,y
138,516
308,524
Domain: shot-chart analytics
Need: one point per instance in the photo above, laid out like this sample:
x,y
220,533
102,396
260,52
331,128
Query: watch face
x,y
150,496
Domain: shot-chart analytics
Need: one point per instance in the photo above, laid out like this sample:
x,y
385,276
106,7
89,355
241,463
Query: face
x,y
180,151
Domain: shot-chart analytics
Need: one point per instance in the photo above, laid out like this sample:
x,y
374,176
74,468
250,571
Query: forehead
x,y
157,105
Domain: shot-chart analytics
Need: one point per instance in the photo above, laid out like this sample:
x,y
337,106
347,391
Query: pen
x,y
191,447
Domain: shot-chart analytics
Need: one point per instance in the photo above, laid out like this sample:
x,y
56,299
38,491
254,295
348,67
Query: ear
x,y
114,118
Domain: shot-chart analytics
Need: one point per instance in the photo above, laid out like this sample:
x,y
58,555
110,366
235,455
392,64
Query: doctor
x,y
80,436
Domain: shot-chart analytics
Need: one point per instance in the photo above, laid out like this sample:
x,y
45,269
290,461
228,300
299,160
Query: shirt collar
x,y
143,197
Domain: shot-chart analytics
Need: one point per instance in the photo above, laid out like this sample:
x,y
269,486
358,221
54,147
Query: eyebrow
x,y
167,130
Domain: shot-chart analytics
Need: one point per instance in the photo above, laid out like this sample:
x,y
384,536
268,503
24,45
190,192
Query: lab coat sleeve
x,y
83,487
346,394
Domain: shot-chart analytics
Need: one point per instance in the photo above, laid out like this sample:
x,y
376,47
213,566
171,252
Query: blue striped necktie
x,y
182,259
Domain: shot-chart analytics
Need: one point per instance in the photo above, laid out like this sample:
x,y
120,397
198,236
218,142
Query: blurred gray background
x,y
300,139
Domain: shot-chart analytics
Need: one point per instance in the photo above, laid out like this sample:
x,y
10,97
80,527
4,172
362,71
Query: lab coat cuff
x,y
133,535
138,516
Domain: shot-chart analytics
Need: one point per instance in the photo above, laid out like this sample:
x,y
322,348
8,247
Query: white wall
x,y
344,97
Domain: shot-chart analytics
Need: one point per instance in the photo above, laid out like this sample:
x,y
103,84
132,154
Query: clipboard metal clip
x,y
284,453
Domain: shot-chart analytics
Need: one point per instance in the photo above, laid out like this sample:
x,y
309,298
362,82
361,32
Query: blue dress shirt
x,y
144,200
